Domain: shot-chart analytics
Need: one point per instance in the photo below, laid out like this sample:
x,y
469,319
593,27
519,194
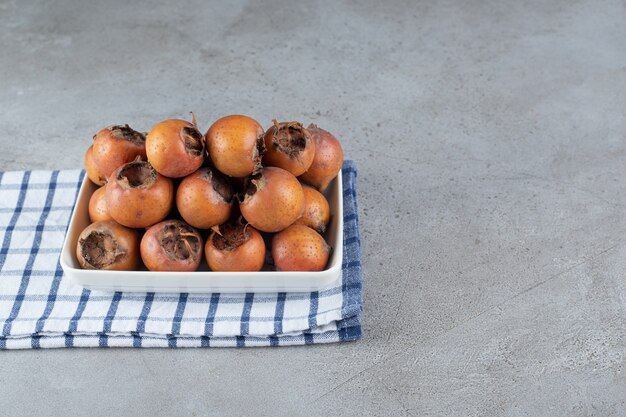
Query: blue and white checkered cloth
x,y
41,309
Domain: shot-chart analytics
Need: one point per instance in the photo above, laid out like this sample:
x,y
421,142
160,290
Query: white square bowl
x,y
203,280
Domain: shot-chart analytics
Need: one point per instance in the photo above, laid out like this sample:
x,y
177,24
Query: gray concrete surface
x,y
491,142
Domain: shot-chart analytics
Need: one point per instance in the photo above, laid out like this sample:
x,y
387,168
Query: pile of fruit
x,y
245,198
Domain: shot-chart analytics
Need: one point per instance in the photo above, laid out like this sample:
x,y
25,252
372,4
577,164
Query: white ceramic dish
x,y
203,280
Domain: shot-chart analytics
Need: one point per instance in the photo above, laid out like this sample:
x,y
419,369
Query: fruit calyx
x,y
219,184
257,153
193,140
179,241
230,236
100,249
127,133
252,184
290,138
136,174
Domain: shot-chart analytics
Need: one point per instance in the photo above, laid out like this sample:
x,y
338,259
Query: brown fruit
x,y
235,248
117,145
273,200
289,146
138,196
299,248
175,148
171,245
98,210
108,245
93,172
235,145
204,198
316,210
327,161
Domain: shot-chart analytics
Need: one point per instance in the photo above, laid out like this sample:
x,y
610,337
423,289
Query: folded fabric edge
x,y
334,326
347,334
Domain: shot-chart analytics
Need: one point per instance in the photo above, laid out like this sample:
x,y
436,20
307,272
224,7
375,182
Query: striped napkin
x,y
39,308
